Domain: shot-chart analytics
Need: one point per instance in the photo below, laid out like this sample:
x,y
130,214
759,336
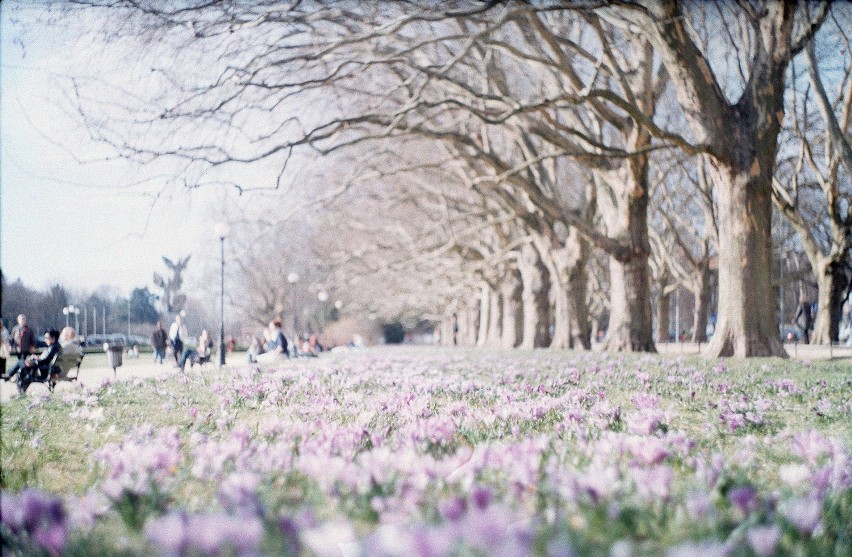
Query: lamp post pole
x,y
293,278
65,312
222,230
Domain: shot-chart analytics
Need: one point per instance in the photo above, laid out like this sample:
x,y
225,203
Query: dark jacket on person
x,y
159,338
281,341
43,361
25,340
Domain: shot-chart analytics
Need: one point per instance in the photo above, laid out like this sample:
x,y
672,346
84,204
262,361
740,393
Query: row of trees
x,y
101,311
523,164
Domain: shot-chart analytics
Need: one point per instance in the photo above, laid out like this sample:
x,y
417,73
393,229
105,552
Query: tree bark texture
x,y
510,293
484,309
702,294
663,323
535,298
494,336
832,283
746,325
630,323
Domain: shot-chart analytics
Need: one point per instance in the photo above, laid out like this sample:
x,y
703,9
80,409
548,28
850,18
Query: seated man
x,y
37,366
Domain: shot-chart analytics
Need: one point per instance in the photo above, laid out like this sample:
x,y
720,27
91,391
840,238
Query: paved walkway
x,y
144,368
94,374
796,351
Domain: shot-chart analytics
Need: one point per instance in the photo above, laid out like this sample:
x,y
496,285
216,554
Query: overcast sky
x,y
74,222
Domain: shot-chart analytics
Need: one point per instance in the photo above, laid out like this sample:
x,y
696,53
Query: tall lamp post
x,y
222,230
293,278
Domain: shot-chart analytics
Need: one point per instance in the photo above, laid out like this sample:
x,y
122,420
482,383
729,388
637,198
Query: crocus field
x,y
438,452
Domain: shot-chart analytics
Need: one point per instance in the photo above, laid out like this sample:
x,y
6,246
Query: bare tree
x,y
813,190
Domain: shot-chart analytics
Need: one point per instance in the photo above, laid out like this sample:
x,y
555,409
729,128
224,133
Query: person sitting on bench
x,y
71,351
39,364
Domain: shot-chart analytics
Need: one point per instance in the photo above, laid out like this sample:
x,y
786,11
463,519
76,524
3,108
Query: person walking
x,y
177,334
159,339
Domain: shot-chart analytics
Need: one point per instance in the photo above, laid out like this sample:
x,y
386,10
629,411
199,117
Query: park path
x,y
92,375
144,368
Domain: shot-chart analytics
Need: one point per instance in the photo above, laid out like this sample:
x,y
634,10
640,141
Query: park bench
x,y
55,372
62,367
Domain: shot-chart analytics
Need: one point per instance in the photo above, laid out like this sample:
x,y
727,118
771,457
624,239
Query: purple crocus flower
x,y
804,513
453,509
764,539
38,516
481,497
744,498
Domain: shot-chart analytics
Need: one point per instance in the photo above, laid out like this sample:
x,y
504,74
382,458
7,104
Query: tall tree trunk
x,y
630,326
535,298
484,308
747,326
661,312
832,283
462,314
510,292
445,327
702,294
561,310
494,336
469,322
578,285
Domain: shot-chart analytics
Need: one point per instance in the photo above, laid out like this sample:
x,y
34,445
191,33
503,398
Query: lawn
x,y
439,452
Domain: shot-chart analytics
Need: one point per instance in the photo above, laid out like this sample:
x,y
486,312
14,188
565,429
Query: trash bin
x,y
114,354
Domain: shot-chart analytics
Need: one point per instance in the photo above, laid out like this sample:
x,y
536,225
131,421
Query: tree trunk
x,y
702,294
831,282
578,285
446,330
630,327
630,324
510,292
462,319
484,308
534,278
746,325
662,320
468,322
494,336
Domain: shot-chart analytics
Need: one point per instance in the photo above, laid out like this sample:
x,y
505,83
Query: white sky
x,y
75,223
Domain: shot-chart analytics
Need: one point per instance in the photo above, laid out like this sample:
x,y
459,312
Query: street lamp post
x,y
293,278
65,312
222,230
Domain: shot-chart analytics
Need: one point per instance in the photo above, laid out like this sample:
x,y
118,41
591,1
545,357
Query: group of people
x,y
182,351
61,349
274,345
